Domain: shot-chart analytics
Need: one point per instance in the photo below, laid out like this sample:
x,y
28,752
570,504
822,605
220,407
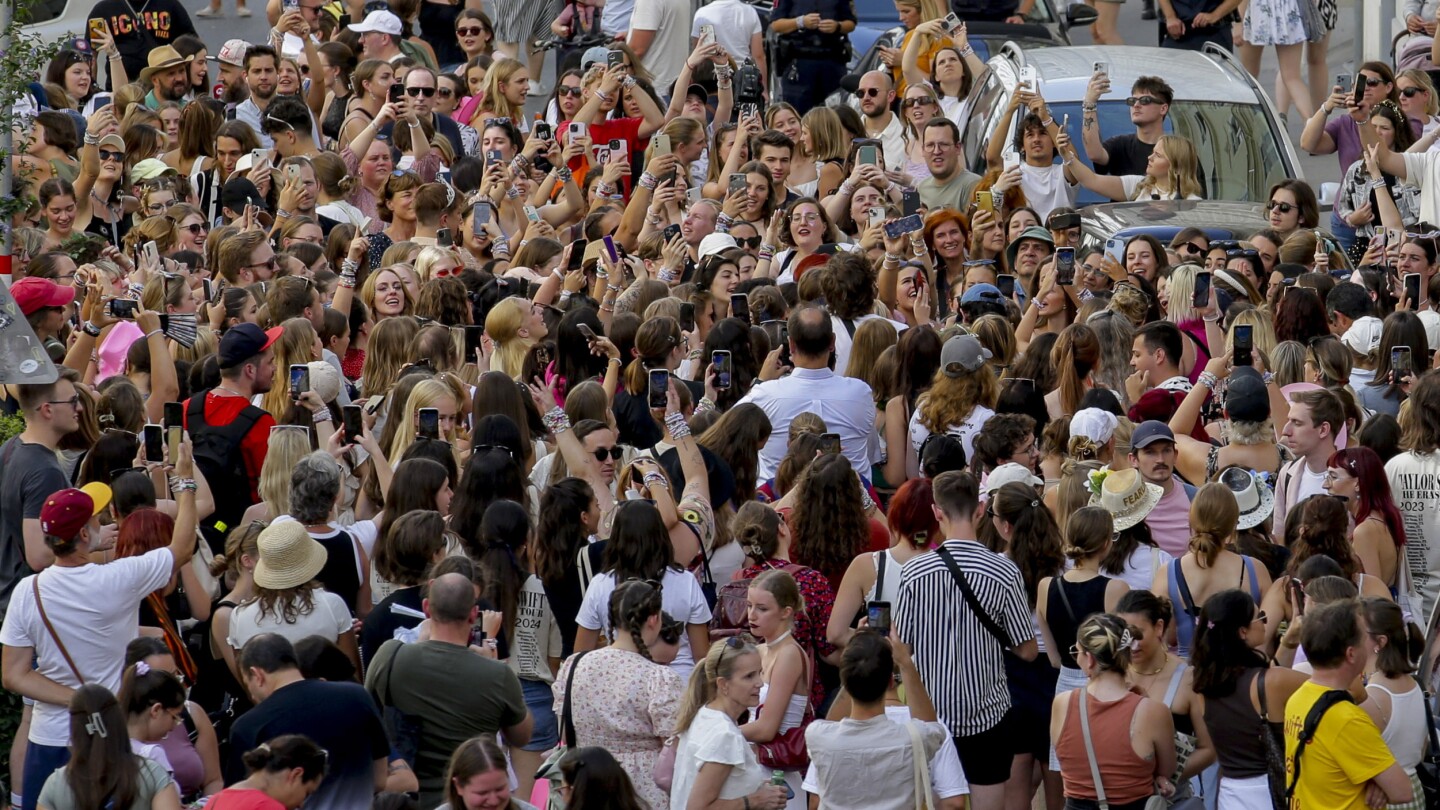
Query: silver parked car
x,y
1242,145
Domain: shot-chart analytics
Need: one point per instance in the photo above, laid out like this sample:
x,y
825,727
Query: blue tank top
x,y
1185,630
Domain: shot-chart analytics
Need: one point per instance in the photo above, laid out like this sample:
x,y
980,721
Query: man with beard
x,y
298,199
1152,454
379,36
262,75
877,93
949,185
231,61
1029,250
168,74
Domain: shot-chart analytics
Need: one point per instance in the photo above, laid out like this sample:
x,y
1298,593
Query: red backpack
x,y
728,617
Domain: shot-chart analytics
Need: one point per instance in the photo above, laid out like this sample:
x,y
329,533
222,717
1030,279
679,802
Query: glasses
x,y
115,474
916,101
196,228
416,92
566,90
1191,248
106,154
804,217
469,31
939,146
1260,617
747,242
869,92
1282,207
73,402
270,262
444,92
1244,253
1411,92
1369,81
1142,101
613,452
496,122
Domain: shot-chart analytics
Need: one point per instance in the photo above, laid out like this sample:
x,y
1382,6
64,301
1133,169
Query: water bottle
x,y
777,778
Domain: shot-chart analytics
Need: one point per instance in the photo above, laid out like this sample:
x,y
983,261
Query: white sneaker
x,y
208,12
242,12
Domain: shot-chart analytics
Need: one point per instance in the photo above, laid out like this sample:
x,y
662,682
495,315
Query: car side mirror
x,y
850,83
1079,15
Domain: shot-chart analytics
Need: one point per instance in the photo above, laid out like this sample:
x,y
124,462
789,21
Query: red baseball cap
x,y
66,512
33,294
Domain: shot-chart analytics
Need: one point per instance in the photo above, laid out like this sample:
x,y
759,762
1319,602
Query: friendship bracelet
x,y
1207,379
556,421
678,427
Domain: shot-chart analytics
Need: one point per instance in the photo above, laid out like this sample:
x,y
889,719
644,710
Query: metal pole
x,y
7,144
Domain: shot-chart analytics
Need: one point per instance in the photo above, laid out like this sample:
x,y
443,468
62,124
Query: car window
x,y
987,103
1238,154
41,11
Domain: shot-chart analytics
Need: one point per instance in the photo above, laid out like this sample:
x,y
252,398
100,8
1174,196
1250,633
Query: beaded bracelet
x,y
893,257
649,181
705,405
676,424
1207,379
563,174
321,416
513,193
179,485
556,421
655,479
349,267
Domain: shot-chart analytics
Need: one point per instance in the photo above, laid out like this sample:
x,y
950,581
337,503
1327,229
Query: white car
x,y
51,20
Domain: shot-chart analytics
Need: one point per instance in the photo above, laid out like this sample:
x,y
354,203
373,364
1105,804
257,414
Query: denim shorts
x,y
541,702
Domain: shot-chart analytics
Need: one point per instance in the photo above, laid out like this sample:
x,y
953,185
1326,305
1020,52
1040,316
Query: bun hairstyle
x,y
1108,640
142,687
286,753
1082,448
1088,532
1157,609
632,604
756,527
719,662
1404,643
1214,514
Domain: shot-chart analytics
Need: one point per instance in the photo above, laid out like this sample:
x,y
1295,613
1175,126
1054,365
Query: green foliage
x,y
10,711
10,425
22,64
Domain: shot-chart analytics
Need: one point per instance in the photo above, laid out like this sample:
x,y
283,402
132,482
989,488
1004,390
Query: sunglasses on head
x,y
496,122
1247,253
427,92
613,452
1142,101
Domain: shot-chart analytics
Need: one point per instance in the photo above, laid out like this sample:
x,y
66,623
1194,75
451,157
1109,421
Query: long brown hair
x,y
829,525
103,771
1075,356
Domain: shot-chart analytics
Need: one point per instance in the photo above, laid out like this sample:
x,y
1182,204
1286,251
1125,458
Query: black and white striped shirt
x,y
961,664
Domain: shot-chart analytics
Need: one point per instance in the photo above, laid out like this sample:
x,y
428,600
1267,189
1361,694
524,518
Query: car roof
x,y
1239,219
1195,76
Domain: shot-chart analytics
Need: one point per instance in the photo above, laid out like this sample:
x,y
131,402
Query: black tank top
x,y
1235,728
1085,599
341,574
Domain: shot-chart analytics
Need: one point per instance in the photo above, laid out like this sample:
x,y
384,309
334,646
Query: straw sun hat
x,y
1124,494
289,557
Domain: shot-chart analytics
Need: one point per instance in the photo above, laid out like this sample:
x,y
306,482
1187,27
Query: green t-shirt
x,y
56,794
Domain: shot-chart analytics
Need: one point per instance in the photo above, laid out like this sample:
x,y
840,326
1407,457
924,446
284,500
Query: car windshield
x,y
1238,154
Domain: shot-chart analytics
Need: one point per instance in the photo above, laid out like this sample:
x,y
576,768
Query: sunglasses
x,y
1369,81
196,228
869,92
444,92
1411,92
469,32
115,474
573,92
1246,253
1282,207
916,101
106,154
496,122
1260,617
747,242
1191,248
613,452
416,92
1142,101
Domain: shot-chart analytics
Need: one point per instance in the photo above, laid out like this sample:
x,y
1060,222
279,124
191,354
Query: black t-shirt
x,y
404,610
811,43
341,574
29,473
160,22
1128,155
339,717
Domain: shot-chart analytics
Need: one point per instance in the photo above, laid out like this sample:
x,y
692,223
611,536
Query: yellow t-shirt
x,y
1347,752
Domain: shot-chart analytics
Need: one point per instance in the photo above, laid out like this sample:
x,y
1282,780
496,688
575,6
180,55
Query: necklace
x,y
1164,662
772,642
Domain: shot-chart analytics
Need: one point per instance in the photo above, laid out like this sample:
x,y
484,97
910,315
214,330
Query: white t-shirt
x,y
1132,190
1045,188
1311,483
946,776
680,596
965,431
671,45
95,611
1415,485
713,737
1422,169
843,341
329,618
735,24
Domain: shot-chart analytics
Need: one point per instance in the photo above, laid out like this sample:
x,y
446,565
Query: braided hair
x,y
632,604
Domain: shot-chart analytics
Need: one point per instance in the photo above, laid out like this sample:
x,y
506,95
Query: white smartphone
x,y
1029,77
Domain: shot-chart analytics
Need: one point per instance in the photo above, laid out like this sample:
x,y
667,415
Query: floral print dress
x,y
627,704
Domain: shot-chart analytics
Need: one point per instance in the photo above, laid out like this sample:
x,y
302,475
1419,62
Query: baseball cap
x,y
714,243
1363,336
982,292
149,169
66,512
244,341
384,22
239,192
697,90
33,294
598,53
1010,473
962,355
1147,433
1246,399
113,141
232,53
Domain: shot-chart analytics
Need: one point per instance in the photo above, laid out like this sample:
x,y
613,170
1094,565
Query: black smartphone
x,y
1006,285
586,331
910,202
724,368
154,443
1065,266
354,424
1359,94
1297,592
1201,298
830,443
659,387
542,130
123,308
615,59
1400,367
687,317
209,290
472,341
443,239
299,380
1244,345
428,426
1412,289
907,224
740,307
174,414
479,218
878,617
670,232
577,255
397,92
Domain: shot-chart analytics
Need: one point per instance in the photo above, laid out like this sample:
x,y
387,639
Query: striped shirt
x,y
961,664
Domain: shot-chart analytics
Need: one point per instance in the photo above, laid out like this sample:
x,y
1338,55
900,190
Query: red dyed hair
x,y
1373,492
910,512
142,531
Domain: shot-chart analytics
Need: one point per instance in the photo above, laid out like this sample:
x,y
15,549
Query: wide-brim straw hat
x,y
289,557
1126,496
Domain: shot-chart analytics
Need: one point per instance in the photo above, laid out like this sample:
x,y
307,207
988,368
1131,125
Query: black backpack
x,y
218,456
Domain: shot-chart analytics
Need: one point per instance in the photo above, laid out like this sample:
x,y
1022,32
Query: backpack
x,y
217,455
729,616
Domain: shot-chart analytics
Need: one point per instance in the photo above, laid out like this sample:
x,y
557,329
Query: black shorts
x,y
986,756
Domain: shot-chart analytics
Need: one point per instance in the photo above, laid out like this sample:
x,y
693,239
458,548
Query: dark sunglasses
x,y
1142,101
868,92
196,228
1189,247
613,452
916,101
1247,253
115,474
106,154
1369,81
444,92
1282,207
747,242
1411,92
496,122
470,32
428,92
566,90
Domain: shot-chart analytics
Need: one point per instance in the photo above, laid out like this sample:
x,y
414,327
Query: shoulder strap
x,y
1260,693
1433,751
1057,584
1090,748
1187,601
880,562
390,671
50,628
587,572
920,767
1249,568
1175,684
970,599
1312,724
849,326
567,719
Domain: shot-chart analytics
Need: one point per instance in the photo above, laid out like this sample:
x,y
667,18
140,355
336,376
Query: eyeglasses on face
x,y
613,452
566,90
270,263
869,92
1282,207
1142,101
1191,248
416,92
1371,81
444,92
916,101
196,228
748,242
73,402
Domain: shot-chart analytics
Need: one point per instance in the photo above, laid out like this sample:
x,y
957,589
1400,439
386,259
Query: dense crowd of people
x,y
672,448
